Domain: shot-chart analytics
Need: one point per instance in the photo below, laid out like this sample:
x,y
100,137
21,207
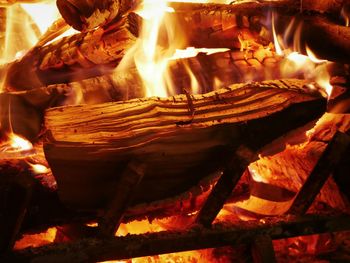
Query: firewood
x,y
84,14
131,246
73,56
101,139
98,51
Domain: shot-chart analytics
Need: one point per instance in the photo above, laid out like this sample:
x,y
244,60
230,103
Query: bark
x,y
77,55
159,131
131,246
84,15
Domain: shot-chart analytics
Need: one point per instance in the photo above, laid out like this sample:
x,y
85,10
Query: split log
x,y
72,56
131,246
26,107
85,14
87,146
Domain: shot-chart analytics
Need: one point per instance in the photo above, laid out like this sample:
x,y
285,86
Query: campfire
x,y
174,131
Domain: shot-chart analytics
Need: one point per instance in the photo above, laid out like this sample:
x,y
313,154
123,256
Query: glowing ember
x,y
36,240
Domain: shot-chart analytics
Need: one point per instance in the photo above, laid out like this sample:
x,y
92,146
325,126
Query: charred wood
x,y
130,246
251,114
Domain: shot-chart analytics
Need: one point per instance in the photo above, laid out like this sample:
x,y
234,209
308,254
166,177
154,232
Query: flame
x,y
153,59
36,240
278,47
295,64
149,63
346,15
39,168
192,52
19,143
15,143
43,14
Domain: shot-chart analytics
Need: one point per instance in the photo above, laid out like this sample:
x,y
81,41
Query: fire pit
x,y
137,128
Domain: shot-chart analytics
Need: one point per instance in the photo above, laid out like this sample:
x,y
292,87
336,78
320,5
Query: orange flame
x,y
294,63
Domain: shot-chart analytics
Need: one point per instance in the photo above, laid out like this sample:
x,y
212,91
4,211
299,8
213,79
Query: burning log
x,y
72,56
83,15
131,246
97,52
89,150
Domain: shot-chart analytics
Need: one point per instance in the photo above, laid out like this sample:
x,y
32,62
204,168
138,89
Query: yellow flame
x,y
192,52
153,60
276,42
295,64
346,16
39,168
193,80
313,57
19,143
43,14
